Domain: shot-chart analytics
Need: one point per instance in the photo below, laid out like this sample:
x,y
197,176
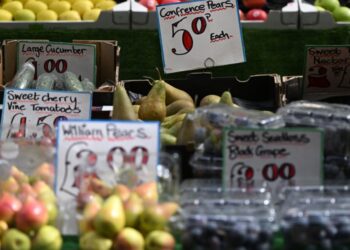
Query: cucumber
x,y
24,77
88,85
46,81
71,82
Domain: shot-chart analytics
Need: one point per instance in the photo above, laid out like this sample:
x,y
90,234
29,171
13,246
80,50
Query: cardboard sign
x,y
200,34
254,158
57,58
35,114
327,72
114,151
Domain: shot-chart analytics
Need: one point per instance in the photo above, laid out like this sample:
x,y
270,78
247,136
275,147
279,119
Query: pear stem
x,y
159,75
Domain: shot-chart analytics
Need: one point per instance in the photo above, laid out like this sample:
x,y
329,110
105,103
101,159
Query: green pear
x,y
47,238
209,99
110,219
122,106
176,106
171,120
186,111
226,98
153,107
152,218
14,239
175,128
167,139
186,134
52,211
133,208
93,241
160,240
129,239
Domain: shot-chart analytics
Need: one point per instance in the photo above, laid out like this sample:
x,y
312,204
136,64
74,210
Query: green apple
x,y
14,239
160,240
129,239
5,15
24,15
152,218
93,241
341,14
110,219
47,238
328,4
133,209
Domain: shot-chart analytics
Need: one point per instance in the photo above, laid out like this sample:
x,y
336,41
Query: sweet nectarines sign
x,y
200,34
112,152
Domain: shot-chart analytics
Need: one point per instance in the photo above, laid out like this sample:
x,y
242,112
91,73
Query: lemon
x,y
24,15
60,6
47,15
82,6
106,5
35,6
70,15
91,15
13,6
5,15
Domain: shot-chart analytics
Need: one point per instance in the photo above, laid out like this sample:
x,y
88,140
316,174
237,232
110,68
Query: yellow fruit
x,y
13,6
24,15
95,2
82,6
5,15
48,2
35,6
70,15
92,15
47,15
106,5
60,6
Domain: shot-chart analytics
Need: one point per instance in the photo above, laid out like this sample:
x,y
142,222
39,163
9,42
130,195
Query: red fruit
x,y
149,4
32,215
46,172
254,4
9,206
256,14
26,191
169,1
241,15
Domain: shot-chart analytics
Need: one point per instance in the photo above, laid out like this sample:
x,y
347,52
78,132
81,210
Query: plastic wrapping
x,y
334,120
316,217
24,77
205,128
46,81
29,212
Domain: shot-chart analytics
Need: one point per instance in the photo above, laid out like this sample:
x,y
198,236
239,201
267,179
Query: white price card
x,y
57,58
327,72
35,114
200,34
113,151
273,157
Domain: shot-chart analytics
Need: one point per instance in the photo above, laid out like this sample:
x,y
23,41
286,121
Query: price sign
x,y
200,34
253,158
112,151
57,58
35,114
327,72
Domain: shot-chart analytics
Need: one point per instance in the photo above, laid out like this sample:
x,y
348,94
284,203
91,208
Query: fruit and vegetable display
x,y
339,9
53,10
28,206
24,79
334,121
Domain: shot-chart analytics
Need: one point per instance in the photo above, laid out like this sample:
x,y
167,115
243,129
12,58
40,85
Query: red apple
x,y
149,4
256,14
254,4
32,215
9,206
241,15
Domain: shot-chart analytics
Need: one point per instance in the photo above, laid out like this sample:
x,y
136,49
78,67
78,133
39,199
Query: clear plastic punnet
x,y
334,120
204,129
127,201
29,211
315,217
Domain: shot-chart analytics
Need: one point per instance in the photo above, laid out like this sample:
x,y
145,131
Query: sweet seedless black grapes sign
x,y
200,34
277,158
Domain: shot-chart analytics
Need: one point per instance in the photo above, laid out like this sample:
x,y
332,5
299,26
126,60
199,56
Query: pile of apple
x,y
253,10
28,211
53,10
340,13
123,218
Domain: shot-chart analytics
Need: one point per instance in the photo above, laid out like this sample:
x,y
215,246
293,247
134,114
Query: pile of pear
x,y
123,218
167,104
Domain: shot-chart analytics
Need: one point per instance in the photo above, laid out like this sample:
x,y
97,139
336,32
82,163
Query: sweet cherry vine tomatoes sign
x,y
57,58
200,34
253,157
123,152
35,114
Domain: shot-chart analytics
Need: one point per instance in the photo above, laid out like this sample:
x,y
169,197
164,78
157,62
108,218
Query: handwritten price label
x,y
326,72
200,34
35,114
253,158
121,152
57,58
